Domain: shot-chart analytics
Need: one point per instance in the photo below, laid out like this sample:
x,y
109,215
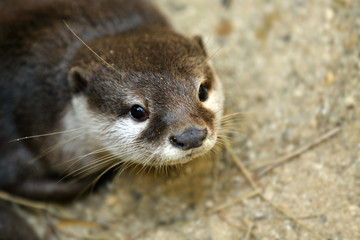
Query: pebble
x,y
349,102
329,14
330,78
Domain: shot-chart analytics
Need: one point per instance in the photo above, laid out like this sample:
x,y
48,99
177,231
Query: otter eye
x,y
138,113
203,93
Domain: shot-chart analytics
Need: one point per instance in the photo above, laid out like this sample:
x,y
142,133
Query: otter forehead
x,y
144,49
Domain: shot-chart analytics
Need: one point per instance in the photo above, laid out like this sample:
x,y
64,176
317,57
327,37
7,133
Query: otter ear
x,y
77,80
200,42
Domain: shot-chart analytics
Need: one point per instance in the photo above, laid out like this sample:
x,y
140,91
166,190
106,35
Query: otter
x,y
87,86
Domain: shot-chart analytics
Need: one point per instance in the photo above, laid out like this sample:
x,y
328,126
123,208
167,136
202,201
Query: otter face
x,y
157,103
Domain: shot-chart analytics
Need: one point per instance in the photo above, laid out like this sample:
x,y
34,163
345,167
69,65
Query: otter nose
x,y
190,138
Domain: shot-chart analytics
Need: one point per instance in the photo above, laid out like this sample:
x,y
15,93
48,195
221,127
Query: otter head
x,y
156,100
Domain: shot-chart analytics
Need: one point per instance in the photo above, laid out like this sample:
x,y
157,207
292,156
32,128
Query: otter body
x,y
134,91
37,50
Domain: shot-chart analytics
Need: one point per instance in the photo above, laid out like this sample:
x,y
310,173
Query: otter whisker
x,y
103,172
228,134
60,144
99,151
222,139
87,168
141,170
213,55
45,134
93,167
233,117
123,166
77,159
91,50
207,40
101,161
78,173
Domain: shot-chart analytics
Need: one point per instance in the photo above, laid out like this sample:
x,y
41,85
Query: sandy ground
x,y
292,69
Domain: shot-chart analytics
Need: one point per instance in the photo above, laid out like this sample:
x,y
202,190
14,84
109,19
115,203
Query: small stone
x,y
298,93
329,14
314,123
330,78
209,204
188,169
111,201
224,28
349,102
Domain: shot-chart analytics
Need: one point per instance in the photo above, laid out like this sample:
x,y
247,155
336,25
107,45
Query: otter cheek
x,y
120,138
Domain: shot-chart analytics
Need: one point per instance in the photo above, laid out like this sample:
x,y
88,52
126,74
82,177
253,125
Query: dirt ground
x,y
291,68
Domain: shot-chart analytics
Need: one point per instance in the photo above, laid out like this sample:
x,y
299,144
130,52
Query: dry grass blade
x,y
299,151
234,201
74,235
249,230
22,201
292,218
238,162
64,224
332,209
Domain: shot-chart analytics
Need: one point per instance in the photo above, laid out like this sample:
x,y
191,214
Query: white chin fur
x,y
171,155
